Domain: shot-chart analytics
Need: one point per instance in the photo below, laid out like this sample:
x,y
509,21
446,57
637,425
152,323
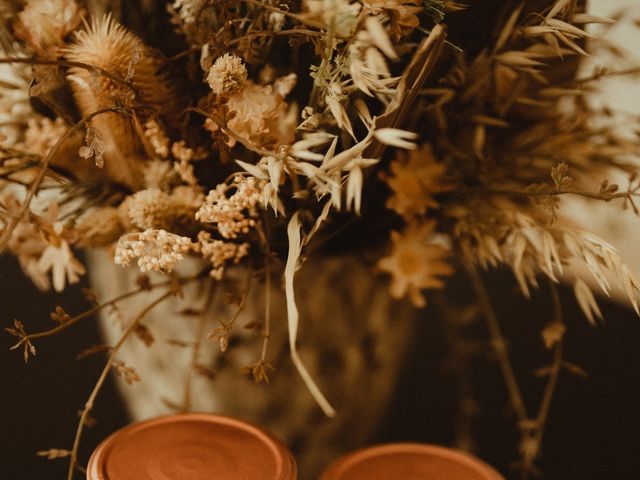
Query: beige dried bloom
x,y
147,209
340,16
415,178
232,214
99,227
156,250
27,242
227,74
260,115
415,263
43,24
156,209
402,14
158,174
219,253
187,9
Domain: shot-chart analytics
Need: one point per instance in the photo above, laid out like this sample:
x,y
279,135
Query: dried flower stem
x,y
89,313
197,345
266,331
271,8
499,343
531,428
103,376
554,374
293,31
68,63
606,196
6,234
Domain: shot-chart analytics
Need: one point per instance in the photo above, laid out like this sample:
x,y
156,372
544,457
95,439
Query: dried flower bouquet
x,y
258,132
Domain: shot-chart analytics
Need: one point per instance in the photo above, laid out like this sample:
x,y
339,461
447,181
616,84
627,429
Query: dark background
x,y
593,430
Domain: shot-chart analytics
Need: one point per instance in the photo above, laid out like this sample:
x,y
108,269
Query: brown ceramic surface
x,y
191,447
409,461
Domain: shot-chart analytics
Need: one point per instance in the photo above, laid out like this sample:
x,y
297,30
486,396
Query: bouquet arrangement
x,y
262,132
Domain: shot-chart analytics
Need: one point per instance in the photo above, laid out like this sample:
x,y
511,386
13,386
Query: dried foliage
x,y
257,118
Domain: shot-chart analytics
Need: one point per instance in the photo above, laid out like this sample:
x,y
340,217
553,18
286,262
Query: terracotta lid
x,y
191,447
409,461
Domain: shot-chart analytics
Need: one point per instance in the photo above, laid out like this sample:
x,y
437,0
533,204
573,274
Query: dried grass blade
x,y
295,248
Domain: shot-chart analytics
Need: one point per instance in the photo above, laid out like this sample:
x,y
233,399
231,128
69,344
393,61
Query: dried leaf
x,y
587,302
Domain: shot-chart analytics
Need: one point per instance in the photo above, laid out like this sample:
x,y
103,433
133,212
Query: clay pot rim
x,y
344,463
282,456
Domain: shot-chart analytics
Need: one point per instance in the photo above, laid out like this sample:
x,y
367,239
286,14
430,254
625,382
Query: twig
x,y
293,31
103,376
68,63
88,313
499,344
535,440
606,196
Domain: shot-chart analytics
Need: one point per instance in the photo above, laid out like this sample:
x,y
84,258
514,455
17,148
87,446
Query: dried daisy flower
x,y
43,24
260,115
15,106
219,253
56,256
227,74
27,242
414,263
156,250
414,179
64,266
232,214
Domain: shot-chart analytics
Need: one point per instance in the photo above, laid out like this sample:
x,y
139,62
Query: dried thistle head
x,y
136,81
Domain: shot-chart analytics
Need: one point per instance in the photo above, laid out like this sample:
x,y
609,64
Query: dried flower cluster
x,y
275,116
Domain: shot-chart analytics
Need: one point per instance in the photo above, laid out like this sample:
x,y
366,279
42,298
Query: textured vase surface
x,y
352,338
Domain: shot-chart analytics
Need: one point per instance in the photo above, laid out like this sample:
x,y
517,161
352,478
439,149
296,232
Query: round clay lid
x,y
409,461
191,447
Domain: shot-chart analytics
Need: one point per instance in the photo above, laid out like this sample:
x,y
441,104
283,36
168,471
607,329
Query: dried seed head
x,y
109,46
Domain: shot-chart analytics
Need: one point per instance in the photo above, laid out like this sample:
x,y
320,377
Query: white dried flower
x,y
158,139
227,74
234,214
156,250
219,253
184,167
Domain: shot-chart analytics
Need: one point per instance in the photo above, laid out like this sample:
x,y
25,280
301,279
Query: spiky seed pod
x,y
108,45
